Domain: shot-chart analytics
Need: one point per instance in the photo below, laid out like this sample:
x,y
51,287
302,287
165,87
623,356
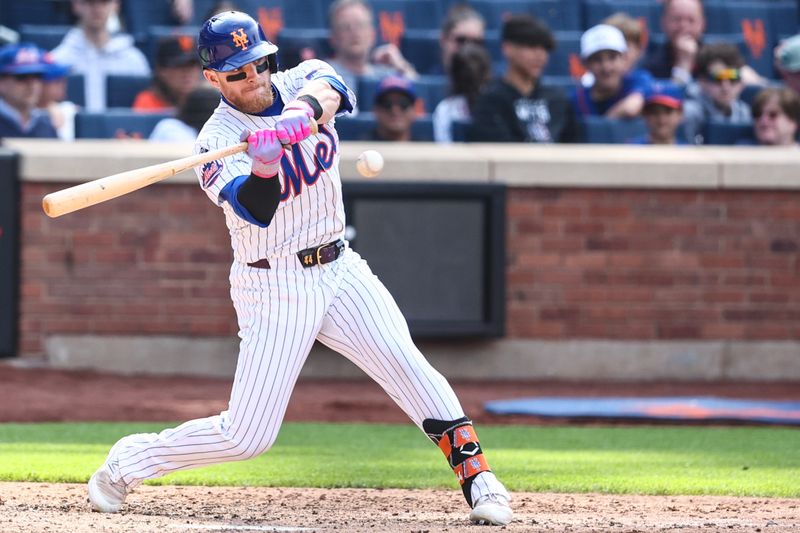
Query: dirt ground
x,y
49,395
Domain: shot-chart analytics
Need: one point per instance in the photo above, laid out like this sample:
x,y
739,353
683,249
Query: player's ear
x,y
212,77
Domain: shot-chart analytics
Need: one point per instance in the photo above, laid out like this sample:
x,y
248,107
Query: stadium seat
x,y
421,48
565,83
274,15
430,89
116,123
45,12
75,89
393,17
719,133
595,11
121,90
749,92
291,42
757,26
601,130
47,37
459,129
360,126
141,16
565,59
559,15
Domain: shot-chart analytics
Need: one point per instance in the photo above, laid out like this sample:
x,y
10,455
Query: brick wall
x,y
653,264
582,263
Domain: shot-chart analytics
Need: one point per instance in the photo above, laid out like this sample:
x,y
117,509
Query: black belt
x,y
311,256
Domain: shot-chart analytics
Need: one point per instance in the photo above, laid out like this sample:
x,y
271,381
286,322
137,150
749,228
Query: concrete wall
x,y
623,263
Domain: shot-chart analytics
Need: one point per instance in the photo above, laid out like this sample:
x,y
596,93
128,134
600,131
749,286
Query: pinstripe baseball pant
x,y
281,311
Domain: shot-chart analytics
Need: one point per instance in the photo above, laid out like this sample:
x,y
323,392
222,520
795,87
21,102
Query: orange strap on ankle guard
x,y
459,443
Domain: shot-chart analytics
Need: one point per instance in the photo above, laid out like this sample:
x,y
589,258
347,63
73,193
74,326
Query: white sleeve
x,y
215,175
314,69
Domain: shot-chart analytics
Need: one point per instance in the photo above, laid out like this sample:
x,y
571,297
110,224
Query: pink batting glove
x,y
266,150
294,124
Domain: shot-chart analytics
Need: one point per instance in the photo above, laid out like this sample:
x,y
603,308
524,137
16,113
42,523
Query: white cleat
x,y
106,496
491,510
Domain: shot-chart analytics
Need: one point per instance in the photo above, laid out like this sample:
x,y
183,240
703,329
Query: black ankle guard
x,y
458,441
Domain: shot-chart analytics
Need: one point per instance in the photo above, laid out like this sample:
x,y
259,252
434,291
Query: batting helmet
x,y
231,39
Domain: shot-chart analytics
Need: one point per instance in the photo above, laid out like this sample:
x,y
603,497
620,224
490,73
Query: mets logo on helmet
x,y
240,39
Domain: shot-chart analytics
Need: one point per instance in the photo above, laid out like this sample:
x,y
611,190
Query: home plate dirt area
x,y
46,395
35,507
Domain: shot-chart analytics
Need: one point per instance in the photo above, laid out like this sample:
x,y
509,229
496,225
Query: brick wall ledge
x,y
589,166
606,360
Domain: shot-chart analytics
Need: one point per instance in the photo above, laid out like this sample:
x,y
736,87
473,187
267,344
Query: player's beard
x,y
254,100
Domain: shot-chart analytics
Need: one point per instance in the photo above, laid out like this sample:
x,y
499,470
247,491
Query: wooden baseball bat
x,y
103,189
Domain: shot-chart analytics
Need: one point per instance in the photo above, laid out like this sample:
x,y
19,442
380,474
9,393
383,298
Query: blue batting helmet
x,y
231,39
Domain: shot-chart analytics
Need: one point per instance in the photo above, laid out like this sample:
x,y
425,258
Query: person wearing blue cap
x,y
54,98
21,70
395,110
663,113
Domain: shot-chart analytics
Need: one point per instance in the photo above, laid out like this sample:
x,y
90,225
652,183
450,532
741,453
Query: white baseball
x,y
369,163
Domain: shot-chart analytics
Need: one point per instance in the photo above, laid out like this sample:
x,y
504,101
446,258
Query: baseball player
x,y
293,279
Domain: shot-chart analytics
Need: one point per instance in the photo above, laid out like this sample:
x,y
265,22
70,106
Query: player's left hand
x,y
294,124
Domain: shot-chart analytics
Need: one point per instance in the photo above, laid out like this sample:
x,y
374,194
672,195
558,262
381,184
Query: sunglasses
x,y
403,104
463,39
772,115
729,74
260,68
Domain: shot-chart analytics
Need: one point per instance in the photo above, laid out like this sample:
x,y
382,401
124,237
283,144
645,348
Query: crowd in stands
x,y
486,76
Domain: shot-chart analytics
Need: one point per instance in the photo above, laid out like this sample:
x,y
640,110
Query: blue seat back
x,y
649,11
356,128
121,90
44,36
565,59
116,123
730,134
558,15
601,130
76,93
393,16
16,13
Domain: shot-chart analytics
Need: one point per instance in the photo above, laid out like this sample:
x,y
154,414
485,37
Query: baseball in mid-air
x,y
369,163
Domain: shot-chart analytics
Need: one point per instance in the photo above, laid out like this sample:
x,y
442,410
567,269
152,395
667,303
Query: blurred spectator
x,y
614,94
193,113
787,62
776,115
183,11
352,39
176,75
518,107
54,98
395,110
663,114
461,25
719,73
21,70
90,49
219,7
683,24
470,71
634,40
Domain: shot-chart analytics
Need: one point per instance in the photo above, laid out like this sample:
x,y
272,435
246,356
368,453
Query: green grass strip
x,y
737,461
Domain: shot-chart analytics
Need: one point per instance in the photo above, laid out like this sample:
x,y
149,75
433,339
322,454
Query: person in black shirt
x,y
517,107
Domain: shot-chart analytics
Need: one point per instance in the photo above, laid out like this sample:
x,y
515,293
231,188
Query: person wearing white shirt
x,y
93,51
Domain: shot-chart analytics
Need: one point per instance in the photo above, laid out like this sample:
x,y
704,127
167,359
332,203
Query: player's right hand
x,y
266,150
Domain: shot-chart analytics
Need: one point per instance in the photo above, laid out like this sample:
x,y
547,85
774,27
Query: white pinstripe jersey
x,y
311,211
